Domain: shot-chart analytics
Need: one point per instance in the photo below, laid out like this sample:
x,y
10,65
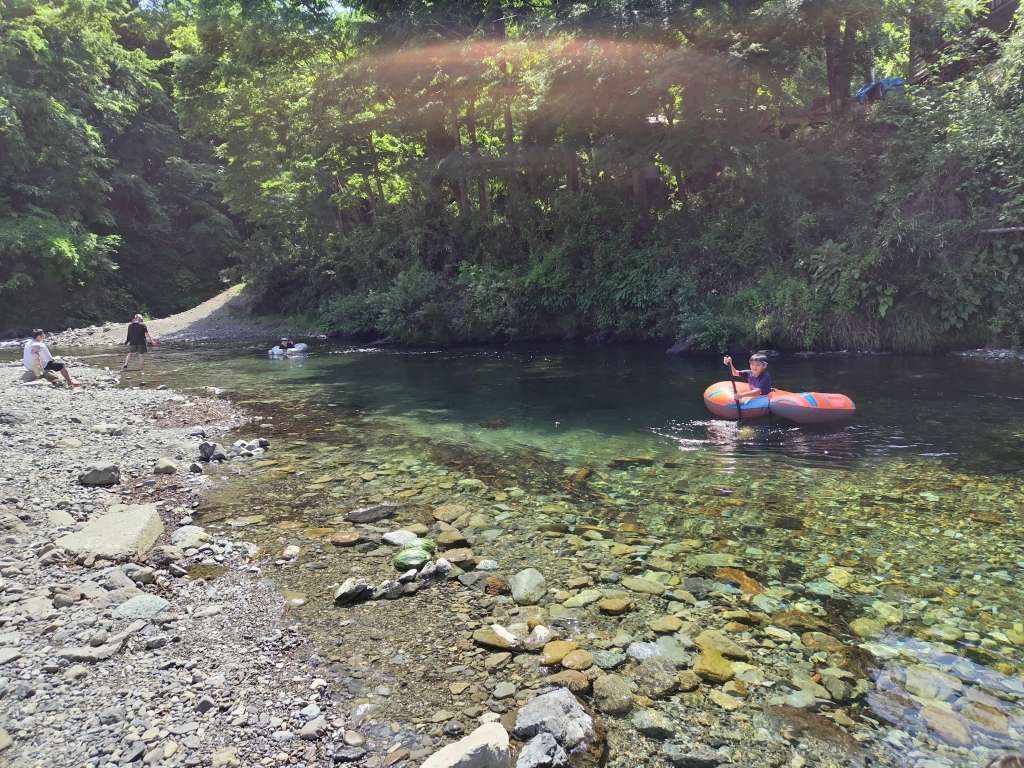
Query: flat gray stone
x,y
141,607
125,533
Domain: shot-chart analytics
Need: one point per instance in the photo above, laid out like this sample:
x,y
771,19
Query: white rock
x,y
125,533
486,747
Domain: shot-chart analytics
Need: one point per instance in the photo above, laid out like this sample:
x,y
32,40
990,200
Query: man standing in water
x,y
137,340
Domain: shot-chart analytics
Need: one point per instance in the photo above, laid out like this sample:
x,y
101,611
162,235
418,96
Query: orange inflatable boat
x,y
801,407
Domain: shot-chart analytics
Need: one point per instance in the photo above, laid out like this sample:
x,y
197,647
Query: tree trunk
x,y
474,148
458,182
839,40
376,169
572,169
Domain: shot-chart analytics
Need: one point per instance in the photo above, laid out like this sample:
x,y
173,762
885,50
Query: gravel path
x,y
106,663
225,317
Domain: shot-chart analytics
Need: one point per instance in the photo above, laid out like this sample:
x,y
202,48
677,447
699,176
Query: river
x,y
900,531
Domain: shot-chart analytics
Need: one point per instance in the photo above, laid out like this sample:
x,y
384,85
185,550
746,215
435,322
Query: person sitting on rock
x,y
38,360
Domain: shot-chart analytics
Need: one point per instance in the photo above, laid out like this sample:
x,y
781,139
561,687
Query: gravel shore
x,y
106,663
224,317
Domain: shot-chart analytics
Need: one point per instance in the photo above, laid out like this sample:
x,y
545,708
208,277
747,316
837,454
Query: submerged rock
x,y
528,587
372,514
613,695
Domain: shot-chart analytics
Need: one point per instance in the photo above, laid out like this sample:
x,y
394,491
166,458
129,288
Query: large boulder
x,y
486,747
557,713
125,533
100,473
528,586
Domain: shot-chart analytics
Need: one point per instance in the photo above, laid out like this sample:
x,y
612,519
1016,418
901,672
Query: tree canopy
x,y
462,171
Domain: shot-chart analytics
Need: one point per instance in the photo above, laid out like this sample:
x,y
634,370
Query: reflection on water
x,y
902,526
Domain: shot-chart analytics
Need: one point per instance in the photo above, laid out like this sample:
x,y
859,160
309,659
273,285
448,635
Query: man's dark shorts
x,y
55,365
138,349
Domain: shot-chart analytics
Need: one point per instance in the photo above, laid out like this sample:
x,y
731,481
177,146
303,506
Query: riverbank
x,y
112,658
224,317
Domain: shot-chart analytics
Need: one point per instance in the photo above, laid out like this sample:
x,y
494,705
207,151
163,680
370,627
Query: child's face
x,y
757,367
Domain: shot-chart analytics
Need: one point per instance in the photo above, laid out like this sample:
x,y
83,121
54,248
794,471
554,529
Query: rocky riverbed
x,y
110,653
334,592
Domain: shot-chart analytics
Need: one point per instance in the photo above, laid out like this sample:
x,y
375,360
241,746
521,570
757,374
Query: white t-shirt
x,y
31,348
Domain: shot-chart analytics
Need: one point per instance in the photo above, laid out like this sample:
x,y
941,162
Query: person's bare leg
x,y
67,377
127,360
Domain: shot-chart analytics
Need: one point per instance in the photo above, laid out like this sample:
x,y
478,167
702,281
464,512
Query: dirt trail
x,y
223,317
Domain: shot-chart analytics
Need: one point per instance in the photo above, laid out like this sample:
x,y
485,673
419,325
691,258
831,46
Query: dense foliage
x,y
104,208
436,171
458,171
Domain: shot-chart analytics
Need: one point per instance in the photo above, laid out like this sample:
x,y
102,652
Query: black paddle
x,y
735,393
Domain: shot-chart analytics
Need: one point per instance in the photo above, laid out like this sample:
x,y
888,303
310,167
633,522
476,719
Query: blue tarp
x,y
880,89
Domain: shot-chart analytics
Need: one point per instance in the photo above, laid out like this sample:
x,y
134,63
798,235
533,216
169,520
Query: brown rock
x,y
346,538
819,641
713,667
985,516
490,638
688,681
462,557
665,624
575,681
726,646
614,606
495,585
799,621
747,583
989,717
578,660
451,538
449,512
557,650
951,727
581,474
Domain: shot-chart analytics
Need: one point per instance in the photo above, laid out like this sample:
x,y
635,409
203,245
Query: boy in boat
x,y
757,377
285,344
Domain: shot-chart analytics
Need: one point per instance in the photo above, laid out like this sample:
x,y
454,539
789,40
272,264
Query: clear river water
x,y
903,529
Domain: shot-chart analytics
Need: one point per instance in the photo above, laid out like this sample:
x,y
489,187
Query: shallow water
x,y
909,515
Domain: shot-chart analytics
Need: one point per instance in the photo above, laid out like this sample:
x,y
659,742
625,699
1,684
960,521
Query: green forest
x,y
445,172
